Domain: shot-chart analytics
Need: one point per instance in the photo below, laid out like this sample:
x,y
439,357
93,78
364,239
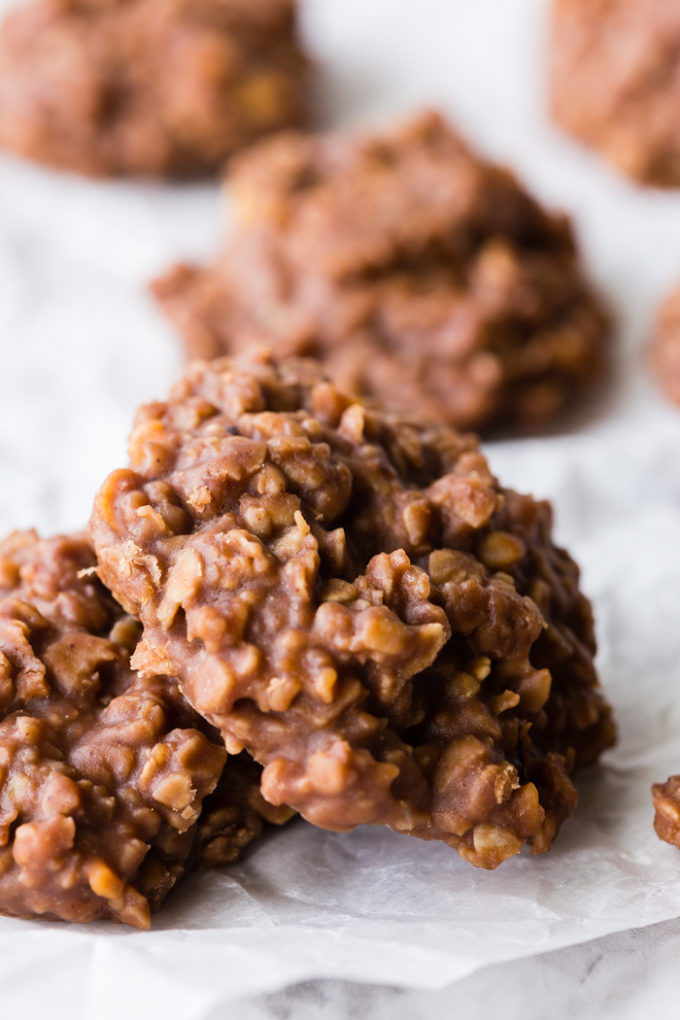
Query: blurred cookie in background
x,y
665,349
147,87
615,82
418,273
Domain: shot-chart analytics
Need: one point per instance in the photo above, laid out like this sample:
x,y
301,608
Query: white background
x,y
81,345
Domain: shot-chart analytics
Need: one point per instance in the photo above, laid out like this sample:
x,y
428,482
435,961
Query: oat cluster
x,y
357,602
110,785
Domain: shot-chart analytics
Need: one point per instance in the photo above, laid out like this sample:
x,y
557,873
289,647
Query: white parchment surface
x,y
81,345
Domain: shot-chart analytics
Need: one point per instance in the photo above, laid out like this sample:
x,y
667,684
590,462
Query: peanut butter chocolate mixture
x,y
357,602
420,275
665,351
102,773
616,82
150,87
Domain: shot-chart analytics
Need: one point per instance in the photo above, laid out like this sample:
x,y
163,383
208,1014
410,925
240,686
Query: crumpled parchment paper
x,y
81,345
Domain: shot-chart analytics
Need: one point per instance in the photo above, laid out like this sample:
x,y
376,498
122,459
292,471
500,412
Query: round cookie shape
x,y
160,88
615,82
419,274
354,600
665,349
103,773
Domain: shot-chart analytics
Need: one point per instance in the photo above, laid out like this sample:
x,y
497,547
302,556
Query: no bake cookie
x,y
356,601
666,797
148,87
615,82
665,350
103,773
418,273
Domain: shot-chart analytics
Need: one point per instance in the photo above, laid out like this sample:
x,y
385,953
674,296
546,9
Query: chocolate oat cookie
x,y
357,602
615,82
149,87
416,272
666,797
665,349
102,773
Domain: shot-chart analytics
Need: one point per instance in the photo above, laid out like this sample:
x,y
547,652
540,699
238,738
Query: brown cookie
x,y
149,87
103,773
665,349
419,274
666,797
615,82
356,601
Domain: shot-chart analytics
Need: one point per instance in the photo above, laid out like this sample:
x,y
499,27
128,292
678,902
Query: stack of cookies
x,y
306,594
344,596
